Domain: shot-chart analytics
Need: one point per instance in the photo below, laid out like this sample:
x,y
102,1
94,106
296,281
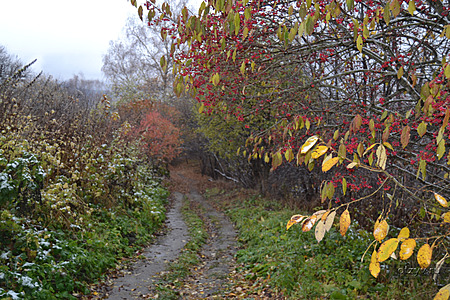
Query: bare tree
x,y
89,92
140,64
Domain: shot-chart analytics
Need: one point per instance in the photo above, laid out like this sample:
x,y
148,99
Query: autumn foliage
x,y
357,89
160,138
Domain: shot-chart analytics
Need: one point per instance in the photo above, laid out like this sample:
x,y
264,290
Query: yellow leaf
x,y
344,185
310,142
202,107
446,217
330,220
387,248
327,165
400,72
374,266
424,256
321,150
290,223
243,68
442,201
344,222
289,155
404,234
411,7
388,145
444,292
294,220
277,160
309,223
447,71
359,43
320,231
237,23
407,248
352,165
325,215
328,157
422,128
336,134
380,230
368,149
387,14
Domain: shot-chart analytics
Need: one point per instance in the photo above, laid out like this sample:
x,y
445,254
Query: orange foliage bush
x,y
160,138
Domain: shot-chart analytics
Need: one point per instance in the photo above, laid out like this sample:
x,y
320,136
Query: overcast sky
x,y
67,37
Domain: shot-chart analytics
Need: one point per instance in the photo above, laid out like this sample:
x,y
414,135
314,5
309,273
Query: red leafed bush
x,y
160,138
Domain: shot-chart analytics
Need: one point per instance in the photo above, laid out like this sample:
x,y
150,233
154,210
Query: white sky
x,y
66,36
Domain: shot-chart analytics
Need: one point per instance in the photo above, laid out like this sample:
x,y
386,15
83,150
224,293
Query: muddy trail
x,y
207,280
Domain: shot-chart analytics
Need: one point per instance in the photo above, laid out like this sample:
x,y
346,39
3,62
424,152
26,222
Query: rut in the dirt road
x,y
137,284
211,277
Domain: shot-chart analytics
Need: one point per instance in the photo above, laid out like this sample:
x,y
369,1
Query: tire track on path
x,y
211,277
137,284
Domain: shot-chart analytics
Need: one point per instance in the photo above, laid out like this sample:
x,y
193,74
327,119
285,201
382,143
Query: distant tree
x,y
86,90
138,65
11,66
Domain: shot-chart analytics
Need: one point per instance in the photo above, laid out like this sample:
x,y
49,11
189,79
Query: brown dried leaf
x,y
294,220
309,223
405,136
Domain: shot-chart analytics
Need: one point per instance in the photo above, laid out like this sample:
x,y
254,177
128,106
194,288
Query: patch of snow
x,y
5,255
13,295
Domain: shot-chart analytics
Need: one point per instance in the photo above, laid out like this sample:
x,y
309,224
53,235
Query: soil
x,y
207,280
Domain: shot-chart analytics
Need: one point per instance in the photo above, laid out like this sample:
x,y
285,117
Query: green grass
x,y
50,263
295,264
189,257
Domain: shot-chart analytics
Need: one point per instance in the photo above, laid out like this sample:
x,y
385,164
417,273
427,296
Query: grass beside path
x,y
295,266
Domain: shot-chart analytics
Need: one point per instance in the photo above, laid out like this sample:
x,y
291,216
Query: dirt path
x,y
209,278
136,283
